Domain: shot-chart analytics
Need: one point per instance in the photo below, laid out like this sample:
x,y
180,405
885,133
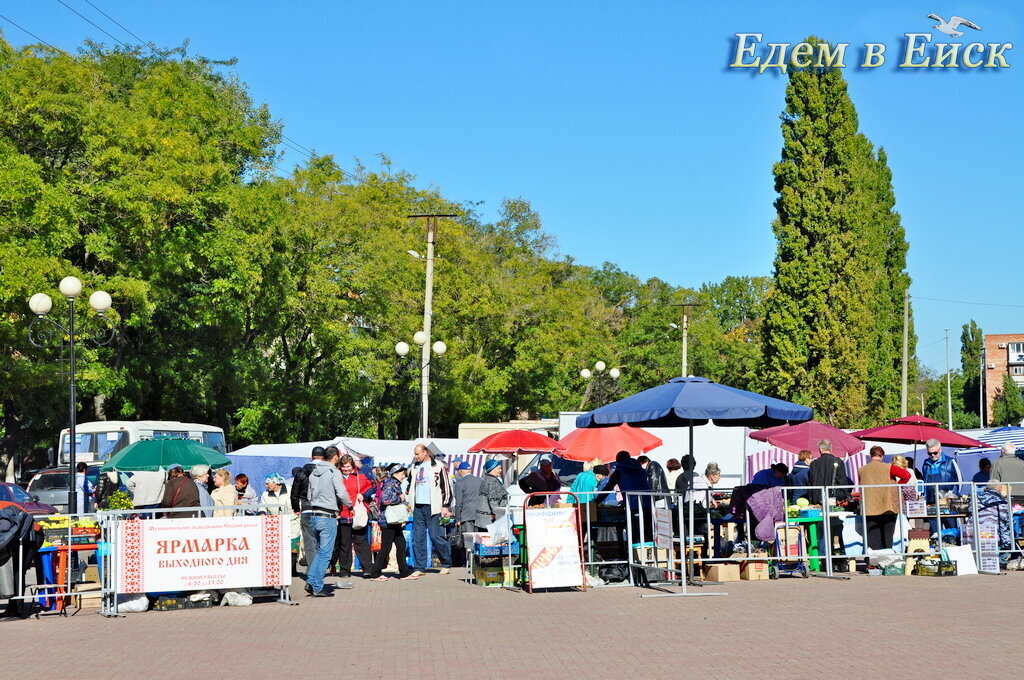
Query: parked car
x,y
51,486
12,494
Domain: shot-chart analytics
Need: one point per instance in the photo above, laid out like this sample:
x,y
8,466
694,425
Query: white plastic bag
x,y
236,598
360,517
133,603
500,530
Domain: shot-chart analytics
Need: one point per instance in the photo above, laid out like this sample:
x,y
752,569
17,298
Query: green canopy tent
x,y
153,454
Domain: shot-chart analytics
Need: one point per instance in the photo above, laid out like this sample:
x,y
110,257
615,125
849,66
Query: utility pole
x,y
949,391
428,314
981,386
686,333
906,350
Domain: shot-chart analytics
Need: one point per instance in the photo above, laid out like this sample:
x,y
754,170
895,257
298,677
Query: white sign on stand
x,y
662,528
164,555
553,548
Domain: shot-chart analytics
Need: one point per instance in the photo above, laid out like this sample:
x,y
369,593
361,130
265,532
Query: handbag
x,y
396,514
360,518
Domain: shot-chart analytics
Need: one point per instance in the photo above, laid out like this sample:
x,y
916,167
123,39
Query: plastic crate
x,y
166,603
496,550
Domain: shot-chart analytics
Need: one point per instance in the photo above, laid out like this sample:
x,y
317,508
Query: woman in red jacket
x,y
359,487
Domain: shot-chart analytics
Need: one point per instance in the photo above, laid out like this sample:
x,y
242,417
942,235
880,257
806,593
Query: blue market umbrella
x,y
683,402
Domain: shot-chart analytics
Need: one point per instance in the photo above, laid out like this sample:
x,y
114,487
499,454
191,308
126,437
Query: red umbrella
x,y
916,430
796,438
602,443
517,441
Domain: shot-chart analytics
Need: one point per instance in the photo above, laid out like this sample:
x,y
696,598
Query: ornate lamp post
x,y
599,381
439,348
43,332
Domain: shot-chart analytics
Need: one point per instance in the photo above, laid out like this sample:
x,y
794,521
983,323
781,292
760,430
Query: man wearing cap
x,y
543,480
466,490
201,477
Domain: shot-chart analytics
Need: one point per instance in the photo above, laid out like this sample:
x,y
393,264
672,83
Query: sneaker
x,y
416,573
343,585
444,570
321,593
309,589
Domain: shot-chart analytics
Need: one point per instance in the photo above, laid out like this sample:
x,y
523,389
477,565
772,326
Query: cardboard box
x,y
753,570
494,577
722,572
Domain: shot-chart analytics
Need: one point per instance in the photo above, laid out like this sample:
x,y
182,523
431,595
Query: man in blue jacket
x,y
942,470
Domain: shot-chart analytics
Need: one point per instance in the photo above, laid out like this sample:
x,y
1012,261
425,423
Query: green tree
x,y
972,342
828,335
1008,406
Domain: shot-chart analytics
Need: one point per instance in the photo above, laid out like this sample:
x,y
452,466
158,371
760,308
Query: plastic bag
x,y
360,517
375,537
132,603
500,530
236,598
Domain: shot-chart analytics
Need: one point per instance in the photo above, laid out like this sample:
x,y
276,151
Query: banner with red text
x,y
553,547
159,555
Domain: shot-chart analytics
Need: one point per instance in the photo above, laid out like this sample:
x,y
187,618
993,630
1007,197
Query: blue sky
x,y
622,124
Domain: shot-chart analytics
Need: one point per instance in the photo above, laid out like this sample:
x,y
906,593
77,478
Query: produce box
x,y
940,568
54,537
496,550
493,577
722,572
166,603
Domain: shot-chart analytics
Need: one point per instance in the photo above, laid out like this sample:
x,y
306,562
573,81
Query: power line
x,y
296,144
116,22
964,302
97,26
30,33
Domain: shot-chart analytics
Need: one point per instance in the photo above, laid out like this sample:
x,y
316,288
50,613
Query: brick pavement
x,y
888,627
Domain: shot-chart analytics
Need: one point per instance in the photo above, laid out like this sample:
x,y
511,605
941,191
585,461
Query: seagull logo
x,y
949,27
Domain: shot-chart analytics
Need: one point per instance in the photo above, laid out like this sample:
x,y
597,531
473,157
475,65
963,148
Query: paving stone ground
x,y
441,627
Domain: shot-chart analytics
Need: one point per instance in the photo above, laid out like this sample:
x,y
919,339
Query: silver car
x,y
51,487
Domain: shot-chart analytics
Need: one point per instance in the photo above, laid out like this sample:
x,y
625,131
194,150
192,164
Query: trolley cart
x,y
789,543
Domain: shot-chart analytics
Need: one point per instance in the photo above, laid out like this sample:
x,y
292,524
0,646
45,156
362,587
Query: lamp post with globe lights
x,y
438,348
43,332
604,383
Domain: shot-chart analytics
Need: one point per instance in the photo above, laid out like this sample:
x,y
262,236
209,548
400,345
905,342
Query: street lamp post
x,y
428,314
597,377
438,348
41,335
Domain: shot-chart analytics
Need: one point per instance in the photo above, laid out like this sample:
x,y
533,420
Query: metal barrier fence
x,y
992,539
94,538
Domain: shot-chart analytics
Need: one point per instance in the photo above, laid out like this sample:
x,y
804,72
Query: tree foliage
x,y
1008,406
833,318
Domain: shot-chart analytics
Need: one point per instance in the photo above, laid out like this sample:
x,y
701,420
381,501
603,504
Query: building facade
x,y
1004,354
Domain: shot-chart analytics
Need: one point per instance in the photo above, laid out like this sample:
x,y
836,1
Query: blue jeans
x,y
325,529
421,521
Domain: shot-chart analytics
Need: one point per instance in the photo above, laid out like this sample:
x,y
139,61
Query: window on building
x,y
1016,370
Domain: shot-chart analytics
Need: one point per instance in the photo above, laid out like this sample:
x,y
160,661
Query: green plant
x,y
118,500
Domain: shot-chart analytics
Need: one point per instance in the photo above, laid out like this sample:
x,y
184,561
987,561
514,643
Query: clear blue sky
x,y
622,125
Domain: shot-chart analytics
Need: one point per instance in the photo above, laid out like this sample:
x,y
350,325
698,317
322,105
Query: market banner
x,y
553,548
159,555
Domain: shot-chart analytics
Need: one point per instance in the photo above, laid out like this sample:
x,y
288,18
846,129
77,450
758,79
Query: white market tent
x,y
258,460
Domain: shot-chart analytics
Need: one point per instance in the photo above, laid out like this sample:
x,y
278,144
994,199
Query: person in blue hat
x,y
467,489
493,498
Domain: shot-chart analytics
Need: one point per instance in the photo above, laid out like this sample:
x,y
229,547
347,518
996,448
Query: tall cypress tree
x,y
829,335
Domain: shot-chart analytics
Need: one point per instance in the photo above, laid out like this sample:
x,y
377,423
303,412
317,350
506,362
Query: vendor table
x,y
51,577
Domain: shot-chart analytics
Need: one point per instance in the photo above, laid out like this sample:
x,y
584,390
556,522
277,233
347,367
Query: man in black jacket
x,y
656,477
829,471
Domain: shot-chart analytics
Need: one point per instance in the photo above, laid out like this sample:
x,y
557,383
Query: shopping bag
x,y
375,537
500,530
360,517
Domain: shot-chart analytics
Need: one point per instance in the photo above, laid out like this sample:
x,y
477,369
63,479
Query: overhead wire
x,y
22,28
95,25
120,25
964,302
